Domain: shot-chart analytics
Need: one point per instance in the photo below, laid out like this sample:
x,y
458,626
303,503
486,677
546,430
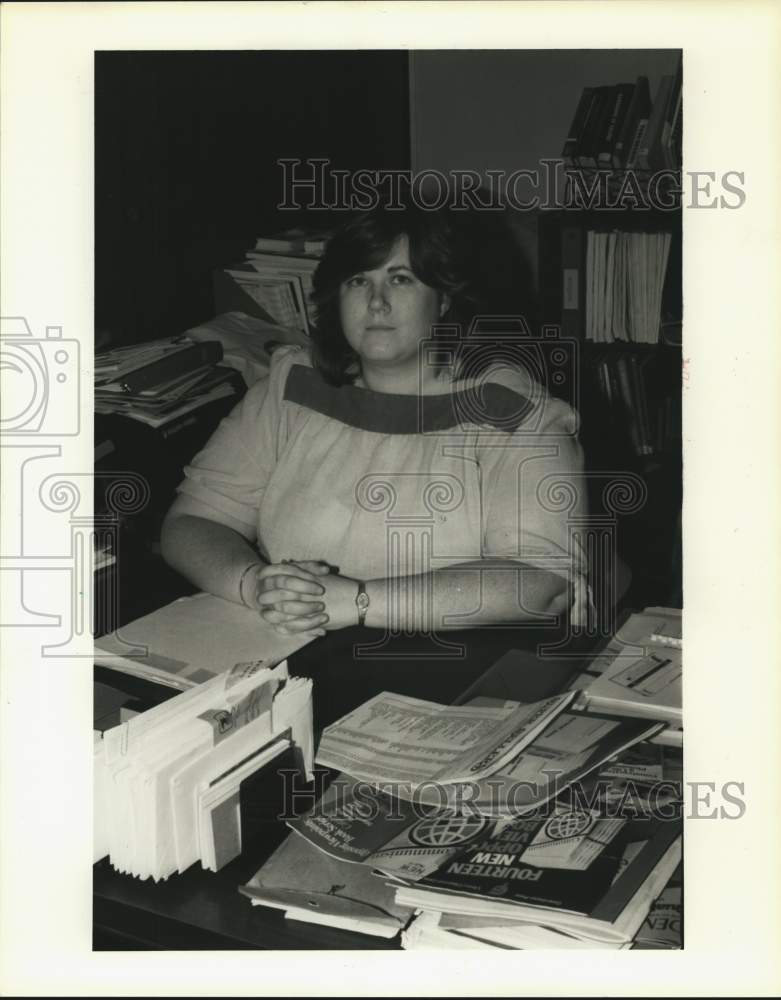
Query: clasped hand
x,y
302,597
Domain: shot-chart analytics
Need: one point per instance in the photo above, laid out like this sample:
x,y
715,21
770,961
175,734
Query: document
x,y
395,739
648,685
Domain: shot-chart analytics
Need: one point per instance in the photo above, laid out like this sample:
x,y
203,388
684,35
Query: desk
x,y
204,910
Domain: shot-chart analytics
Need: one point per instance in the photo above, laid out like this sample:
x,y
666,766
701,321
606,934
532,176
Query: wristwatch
x,y
362,602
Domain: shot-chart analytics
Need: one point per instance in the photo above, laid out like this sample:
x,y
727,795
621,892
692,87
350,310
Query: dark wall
x,y
186,177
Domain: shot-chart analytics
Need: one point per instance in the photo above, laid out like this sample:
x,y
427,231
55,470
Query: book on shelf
x,y
572,287
612,290
621,98
633,148
650,155
638,109
620,127
576,129
672,138
592,137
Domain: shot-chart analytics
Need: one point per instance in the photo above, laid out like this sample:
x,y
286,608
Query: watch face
x,y
362,600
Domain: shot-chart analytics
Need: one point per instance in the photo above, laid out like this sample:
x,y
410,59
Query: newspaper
x,y
572,746
395,739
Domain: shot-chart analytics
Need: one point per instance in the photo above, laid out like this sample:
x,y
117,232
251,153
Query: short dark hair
x,y
439,257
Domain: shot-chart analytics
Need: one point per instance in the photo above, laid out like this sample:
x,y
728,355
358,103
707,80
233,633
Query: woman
x,y
387,477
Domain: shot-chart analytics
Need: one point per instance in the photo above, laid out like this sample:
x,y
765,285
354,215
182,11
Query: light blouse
x,y
381,485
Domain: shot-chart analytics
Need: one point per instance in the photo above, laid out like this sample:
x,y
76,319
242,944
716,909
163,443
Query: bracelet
x,y
241,584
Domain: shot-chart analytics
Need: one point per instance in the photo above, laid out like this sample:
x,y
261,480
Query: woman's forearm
x,y
210,555
468,595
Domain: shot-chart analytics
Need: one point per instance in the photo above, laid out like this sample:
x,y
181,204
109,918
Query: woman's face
x,y
386,312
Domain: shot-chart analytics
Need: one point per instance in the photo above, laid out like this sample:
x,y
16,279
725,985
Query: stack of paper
x,y
192,640
167,780
640,670
454,931
160,381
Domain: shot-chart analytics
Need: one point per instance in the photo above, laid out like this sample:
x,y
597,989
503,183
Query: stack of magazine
x,y
536,825
157,382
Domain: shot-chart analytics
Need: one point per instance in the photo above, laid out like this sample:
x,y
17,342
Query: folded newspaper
x,y
504,760
396,739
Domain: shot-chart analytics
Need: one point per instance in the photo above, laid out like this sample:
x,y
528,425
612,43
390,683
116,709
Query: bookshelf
x,y
610,279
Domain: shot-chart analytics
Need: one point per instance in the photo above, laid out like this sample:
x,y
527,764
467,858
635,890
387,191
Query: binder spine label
x,y
570,288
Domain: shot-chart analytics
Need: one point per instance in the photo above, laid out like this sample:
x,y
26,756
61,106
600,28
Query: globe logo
x,y
570,824
445,831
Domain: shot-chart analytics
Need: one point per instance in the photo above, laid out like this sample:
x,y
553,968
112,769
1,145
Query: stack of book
x,y
277,276
167,781
159,381
620,128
